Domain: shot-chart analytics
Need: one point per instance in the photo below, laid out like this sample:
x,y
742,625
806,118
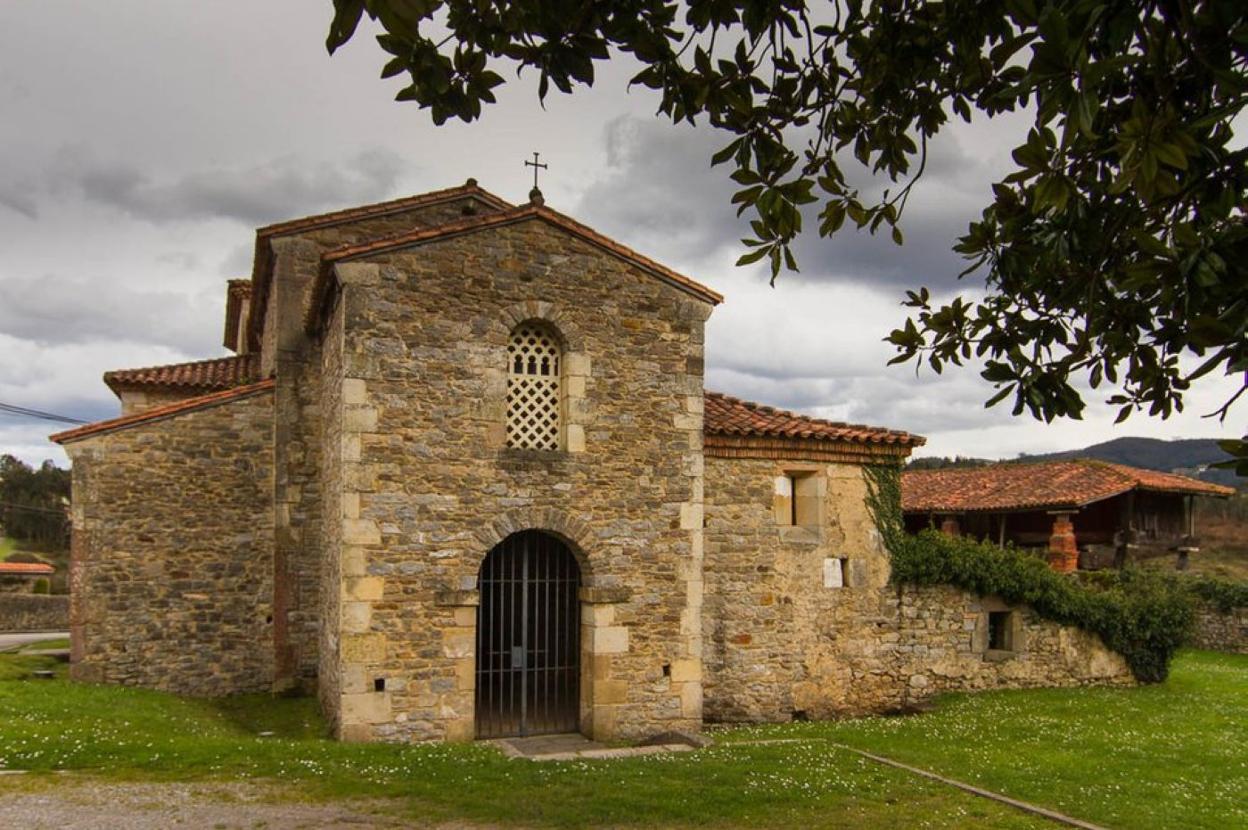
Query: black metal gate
x,y
528,638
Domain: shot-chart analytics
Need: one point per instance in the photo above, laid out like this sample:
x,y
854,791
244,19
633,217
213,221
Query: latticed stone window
x,y
533,388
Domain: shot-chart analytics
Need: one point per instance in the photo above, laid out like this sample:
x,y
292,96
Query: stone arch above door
x,y
560,524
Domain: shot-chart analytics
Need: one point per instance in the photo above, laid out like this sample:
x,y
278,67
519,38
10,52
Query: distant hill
x,y
1189,456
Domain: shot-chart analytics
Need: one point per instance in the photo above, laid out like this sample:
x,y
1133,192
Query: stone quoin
x,y
423,386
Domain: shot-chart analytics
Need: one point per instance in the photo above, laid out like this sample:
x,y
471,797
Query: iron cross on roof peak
x,y
535,195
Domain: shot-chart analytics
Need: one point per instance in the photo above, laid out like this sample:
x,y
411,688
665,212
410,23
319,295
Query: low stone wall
x,y
802,621
1216,631
944,646
34,612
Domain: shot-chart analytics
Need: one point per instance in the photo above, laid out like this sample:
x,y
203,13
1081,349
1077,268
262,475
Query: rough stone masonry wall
x,y
140,400
289,354
434,488
329,676
1217,631
34,612
781,642
172,554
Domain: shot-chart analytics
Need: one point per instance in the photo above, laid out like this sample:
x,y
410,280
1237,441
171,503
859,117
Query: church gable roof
x,y
338,217
261,271
474,224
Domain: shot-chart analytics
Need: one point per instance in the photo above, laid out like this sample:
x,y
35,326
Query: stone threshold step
x,y
575,748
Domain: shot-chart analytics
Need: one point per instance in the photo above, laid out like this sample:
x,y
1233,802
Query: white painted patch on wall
x,y
833,575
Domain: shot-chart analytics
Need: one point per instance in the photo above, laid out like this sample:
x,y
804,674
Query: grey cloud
x,y
57,309
21,203
255,195
186,260
659,182
931,225
237,263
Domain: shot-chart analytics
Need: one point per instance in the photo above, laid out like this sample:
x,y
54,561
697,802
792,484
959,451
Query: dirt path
x,y
72,803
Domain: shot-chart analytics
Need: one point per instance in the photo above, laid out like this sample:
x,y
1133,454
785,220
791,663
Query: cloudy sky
x,y
141,143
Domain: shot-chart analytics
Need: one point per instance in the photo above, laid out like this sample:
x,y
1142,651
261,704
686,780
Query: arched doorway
x,y
528,638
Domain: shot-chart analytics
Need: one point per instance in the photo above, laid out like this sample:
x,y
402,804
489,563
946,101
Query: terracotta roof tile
x,y
471,224
261,275
22,568
161,412
726,415
201,375
1049,484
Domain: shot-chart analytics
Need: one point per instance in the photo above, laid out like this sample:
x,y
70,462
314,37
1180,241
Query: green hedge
x,y
1142,615
1223,595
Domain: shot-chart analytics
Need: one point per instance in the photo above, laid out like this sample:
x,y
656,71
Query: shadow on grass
x,y
278,716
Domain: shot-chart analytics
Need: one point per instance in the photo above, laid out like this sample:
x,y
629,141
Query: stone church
x,y
462,478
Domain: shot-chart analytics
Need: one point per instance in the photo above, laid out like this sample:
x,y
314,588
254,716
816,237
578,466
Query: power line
x,y
12,409
31,509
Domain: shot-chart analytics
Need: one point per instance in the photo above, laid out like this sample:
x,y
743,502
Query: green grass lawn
x,y
1163,756
7,546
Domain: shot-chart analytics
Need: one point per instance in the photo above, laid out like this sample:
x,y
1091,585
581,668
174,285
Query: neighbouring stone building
x,y
462,478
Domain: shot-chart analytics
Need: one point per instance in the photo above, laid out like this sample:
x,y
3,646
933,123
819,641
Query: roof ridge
x,y
210,373
728,418
161,412
470,187
202,361
431,231
1000,462
260,266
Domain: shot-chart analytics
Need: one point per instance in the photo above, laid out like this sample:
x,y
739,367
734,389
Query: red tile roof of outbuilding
x,y
23,568
1049,484
726,415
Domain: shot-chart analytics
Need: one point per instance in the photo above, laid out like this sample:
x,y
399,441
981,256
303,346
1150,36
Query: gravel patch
x,y
72,803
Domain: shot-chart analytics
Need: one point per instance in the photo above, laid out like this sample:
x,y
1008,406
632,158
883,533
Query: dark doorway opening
x,y
528,638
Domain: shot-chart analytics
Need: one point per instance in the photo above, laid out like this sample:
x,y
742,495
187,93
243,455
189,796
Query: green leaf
x,y
752,256
347,15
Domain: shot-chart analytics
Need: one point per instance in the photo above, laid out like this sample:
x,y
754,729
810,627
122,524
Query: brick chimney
x,y
1063,550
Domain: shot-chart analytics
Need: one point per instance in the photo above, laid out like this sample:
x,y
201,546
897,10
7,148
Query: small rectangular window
x,y
798,499
1000,631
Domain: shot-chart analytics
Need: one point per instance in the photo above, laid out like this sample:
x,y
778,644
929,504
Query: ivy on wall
x,y
884,502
